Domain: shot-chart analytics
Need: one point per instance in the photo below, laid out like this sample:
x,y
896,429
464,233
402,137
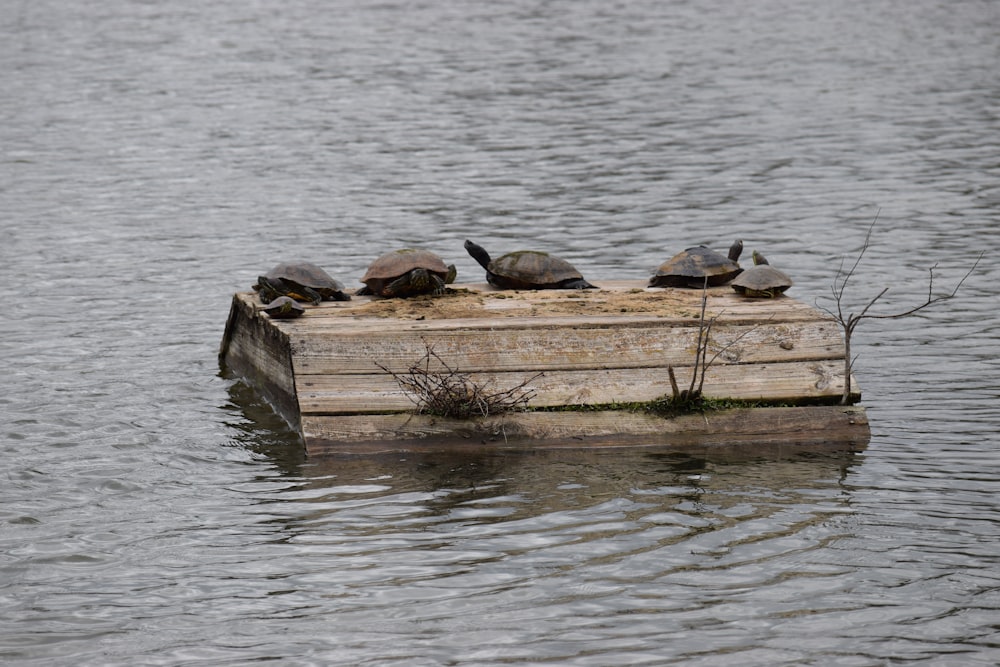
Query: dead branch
x,y
447,392
692,396
702,348
849,321
722,350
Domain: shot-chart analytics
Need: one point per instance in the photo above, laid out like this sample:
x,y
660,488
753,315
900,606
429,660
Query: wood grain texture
x,y
260,353
793,426
577,346
797,382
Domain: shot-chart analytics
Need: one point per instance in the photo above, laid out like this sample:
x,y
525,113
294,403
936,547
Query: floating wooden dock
x,y
587,357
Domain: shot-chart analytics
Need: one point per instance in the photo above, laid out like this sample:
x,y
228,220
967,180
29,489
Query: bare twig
x,y
447,392
725,348
701,349
702,363
673,382
849,321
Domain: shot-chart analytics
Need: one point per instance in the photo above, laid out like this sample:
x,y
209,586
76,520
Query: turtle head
x,y
420,279
479,254
759,258
736,250
451,275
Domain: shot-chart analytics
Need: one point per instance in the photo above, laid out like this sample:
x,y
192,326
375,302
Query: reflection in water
x,y
261,430
601,552
484,485
258,428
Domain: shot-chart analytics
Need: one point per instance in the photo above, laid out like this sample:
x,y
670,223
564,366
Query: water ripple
x,y
156,157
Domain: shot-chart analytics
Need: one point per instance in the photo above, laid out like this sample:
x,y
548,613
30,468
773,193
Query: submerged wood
x,y
838,427
329,372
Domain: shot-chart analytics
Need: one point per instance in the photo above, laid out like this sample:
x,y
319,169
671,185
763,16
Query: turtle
x,y
407,272
283,308
527,269
761,280
691,267
303,281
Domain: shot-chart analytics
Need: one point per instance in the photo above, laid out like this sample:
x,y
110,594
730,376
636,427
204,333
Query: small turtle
x,y
303,281
761,280
528,269
283,308
691,267
407,272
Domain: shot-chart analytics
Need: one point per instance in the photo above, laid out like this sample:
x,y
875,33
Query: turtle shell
x,y
303,281
406,272
283,308
528,269
761,280
532,269
691,267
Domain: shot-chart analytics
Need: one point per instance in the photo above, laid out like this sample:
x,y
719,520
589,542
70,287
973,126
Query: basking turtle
x,y
761,280
691,267
528,269
303,281
407,272
283,308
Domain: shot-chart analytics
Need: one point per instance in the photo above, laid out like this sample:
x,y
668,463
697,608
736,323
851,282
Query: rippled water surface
x,y
155,156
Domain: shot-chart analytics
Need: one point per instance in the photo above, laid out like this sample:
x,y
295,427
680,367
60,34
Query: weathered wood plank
x,y
728,309
801,425
797,382
577,347
260,353
620,303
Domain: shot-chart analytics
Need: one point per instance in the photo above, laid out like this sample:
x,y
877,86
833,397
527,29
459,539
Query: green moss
x,y
667,407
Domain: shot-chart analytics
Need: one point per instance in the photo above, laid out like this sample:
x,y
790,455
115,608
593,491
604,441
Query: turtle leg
x,y
438,284
400,287
266,292
313,295
300,292
417,281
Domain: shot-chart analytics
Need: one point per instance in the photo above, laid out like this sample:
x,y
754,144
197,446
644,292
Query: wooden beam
x,y
578,346
802,425
260,353
796,382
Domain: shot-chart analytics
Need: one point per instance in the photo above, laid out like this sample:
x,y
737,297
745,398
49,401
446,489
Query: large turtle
x,y
283,308
691,267
407,272
528,269
761,280
303,281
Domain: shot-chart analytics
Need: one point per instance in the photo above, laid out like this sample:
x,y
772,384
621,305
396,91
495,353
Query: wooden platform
x,y
595,350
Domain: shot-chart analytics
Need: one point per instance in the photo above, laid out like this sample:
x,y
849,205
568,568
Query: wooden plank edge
x,y
730,309
839,426
256,365
792,383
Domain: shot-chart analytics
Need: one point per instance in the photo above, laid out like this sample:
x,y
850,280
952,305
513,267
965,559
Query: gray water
x,y
156,156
